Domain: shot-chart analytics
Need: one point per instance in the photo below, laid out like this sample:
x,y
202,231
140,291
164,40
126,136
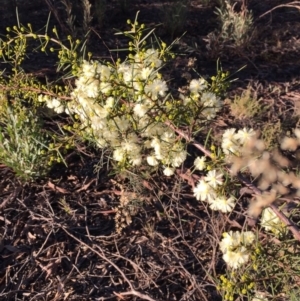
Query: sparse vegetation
x,y
138,175
174,16
246,105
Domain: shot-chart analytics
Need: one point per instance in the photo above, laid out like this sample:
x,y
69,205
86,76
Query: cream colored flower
x,y
145,73
88,69
136,160
271,222
233,246
210,100
152,57
105,87
109,102
92,89
104,72
222,204
197,85
156,88
168,171
230,147
230,240
247,238
178,158
229,134
119,154
259,297
209,113
140,109
199,163
203,191
236,258
122,123
56,105
214,179
152,161
244,135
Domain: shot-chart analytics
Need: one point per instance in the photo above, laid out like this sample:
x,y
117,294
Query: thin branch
x,y
189,139
53,9
135,293
295,4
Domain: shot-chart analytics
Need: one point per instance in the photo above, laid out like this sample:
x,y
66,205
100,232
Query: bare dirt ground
x,y
57,235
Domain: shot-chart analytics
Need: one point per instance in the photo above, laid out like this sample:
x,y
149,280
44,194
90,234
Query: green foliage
x,y
235,26
130,92
174,16
24,146
273,270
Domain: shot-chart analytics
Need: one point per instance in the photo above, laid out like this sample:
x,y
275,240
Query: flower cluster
x,y
235,247
232,142
52,103
209,102
199,163
271,222
207,189
124,107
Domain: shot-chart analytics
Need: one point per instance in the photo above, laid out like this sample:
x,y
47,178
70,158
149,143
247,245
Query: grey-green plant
x,y
78,16
236,27
71,17
24,145
87,15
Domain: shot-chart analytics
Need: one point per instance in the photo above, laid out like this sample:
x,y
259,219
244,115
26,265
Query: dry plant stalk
x,y
87,18
124,211
247,105
294,4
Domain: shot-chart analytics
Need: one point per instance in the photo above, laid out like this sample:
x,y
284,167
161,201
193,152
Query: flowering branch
x,y
292,227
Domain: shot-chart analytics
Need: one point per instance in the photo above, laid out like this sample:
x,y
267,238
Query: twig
x,y
57,17
189,139
295,4
4,87
132,291
10,198
135,293
105,45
